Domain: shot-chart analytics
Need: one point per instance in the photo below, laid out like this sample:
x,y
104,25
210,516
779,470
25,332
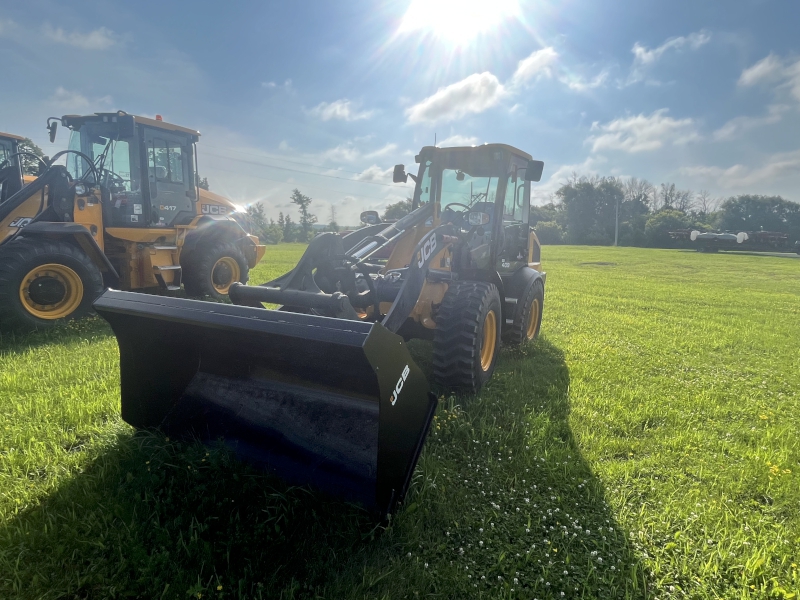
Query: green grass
x,y
646,446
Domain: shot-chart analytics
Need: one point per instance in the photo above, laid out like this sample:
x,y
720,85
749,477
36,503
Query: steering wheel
x,y
464,206
88,160
24,153
113,178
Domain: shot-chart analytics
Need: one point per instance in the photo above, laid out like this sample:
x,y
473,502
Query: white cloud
x,y
376,173
776,167
343,110
536,65
643,133
474,94
271,85
738,125
459,140
99,39
773,69
644,57
579,84
349,152
70,100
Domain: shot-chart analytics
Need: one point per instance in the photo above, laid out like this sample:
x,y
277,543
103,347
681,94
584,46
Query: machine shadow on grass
x,y
501,500
90,328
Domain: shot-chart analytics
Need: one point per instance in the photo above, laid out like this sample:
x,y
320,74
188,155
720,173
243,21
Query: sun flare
x,y
457,21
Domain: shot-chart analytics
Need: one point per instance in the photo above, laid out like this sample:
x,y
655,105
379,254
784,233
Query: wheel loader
x,y
12,178
323,390
124,212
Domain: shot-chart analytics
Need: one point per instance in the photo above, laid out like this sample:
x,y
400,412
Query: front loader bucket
x,y
333,403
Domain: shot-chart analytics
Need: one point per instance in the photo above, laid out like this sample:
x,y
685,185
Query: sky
x,y
327,96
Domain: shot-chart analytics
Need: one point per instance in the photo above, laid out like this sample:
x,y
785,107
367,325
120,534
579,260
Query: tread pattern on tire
x,y
457,337
23,254
517,332
197,268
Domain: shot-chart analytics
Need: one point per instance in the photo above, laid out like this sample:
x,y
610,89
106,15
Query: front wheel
x,y
466,340
528,315
43,282
211,271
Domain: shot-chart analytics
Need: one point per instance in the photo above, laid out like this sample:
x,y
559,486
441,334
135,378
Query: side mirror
x,y
399,176
534,170
371,217
52,127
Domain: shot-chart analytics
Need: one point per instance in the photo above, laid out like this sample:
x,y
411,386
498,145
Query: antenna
x,y
434,140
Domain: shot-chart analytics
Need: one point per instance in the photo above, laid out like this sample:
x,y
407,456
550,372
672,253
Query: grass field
x,y
646,446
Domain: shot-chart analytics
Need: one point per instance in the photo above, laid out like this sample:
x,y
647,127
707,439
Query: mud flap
x,y
335,404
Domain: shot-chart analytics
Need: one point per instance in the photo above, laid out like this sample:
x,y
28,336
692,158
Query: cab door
x,y
170,176
513,252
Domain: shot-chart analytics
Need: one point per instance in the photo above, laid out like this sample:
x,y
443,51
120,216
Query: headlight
x,y
80,189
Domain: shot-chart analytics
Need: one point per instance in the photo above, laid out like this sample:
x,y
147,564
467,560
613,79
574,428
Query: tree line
x,y
584,211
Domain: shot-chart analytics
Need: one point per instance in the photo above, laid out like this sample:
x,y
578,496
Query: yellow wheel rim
x,y
225,272
51,291
489,340
533,323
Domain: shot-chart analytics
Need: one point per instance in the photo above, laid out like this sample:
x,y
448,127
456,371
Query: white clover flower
x,y
480,543
408,555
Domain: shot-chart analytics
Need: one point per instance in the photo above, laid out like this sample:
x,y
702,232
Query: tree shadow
x,y
501,500
765,254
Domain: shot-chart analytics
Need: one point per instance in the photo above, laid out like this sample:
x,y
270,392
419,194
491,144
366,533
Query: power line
x,y
271,166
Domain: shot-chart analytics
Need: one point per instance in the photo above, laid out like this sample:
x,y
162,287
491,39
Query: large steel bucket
x,y
333,403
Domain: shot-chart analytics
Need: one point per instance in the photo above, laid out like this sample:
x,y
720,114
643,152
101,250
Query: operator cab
x,y
144,167
483,191
10,166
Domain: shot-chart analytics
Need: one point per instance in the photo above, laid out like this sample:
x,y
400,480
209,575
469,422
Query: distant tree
x,y
290,230
760,213
202,183
549,232
398,210
30,166
307,219
547,212
673,198
658,226
590,205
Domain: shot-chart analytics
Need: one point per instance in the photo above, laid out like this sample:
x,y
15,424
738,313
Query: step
x,y
165,247
167,267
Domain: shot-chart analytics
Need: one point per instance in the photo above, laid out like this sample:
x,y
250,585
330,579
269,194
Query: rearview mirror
x,y
399,175
52,127
534,170
371,217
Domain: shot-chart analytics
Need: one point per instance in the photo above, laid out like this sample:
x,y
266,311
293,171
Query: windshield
x,y
116,160
5,150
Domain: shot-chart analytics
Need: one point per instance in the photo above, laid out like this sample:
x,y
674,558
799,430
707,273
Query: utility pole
x,y
616,223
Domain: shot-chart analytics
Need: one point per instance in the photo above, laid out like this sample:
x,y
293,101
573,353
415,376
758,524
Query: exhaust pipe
x,y
332,403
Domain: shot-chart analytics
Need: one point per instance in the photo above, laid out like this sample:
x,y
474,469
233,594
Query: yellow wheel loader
x,y
11,177
124,212
323,391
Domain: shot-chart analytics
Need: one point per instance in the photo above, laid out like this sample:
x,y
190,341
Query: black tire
x,y
527,316
205,272
459,361
34,297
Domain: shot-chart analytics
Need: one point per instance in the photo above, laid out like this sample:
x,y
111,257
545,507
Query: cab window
x,y
165,161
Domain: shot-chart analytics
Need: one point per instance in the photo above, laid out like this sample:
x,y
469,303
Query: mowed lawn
x,y
646,446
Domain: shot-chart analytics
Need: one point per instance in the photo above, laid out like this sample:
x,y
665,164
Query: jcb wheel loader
x,y
11,177
323,391
124,212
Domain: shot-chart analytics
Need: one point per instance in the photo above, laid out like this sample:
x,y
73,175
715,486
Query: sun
x,y
457,21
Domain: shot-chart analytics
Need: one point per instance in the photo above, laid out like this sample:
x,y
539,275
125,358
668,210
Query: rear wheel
x,y
44,282
467,336
527,316
212,270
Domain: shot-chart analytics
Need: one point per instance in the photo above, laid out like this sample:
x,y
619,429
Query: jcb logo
x,y
165,207
214,209
427,249
399,385
20,222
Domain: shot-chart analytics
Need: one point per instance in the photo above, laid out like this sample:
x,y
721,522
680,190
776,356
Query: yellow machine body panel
x,y
23,214
88,212
214,204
